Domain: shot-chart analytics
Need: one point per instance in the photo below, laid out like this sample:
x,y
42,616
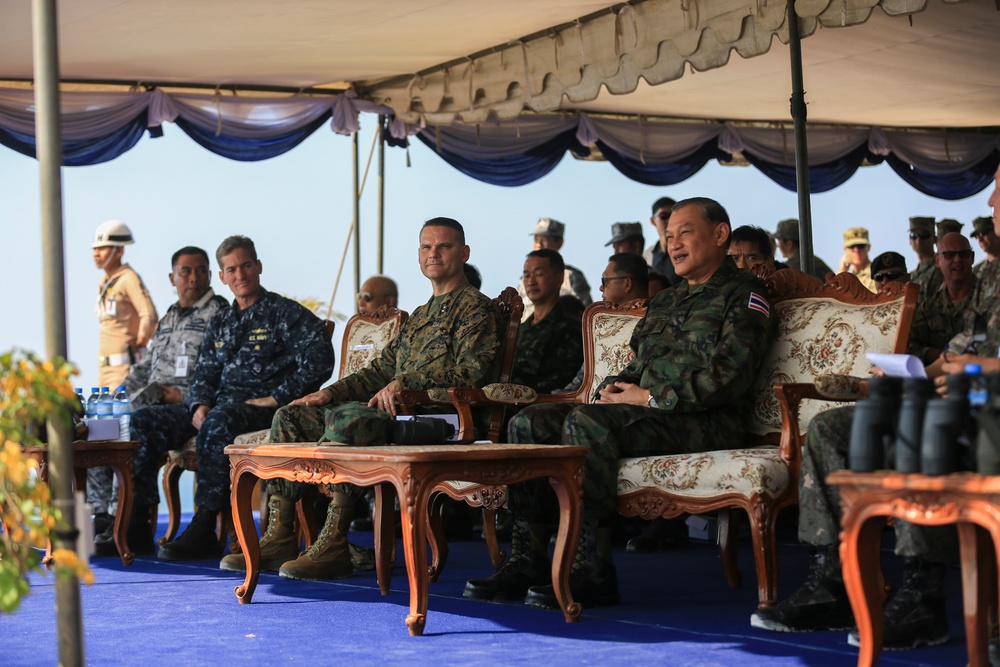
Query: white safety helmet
x,y
114,233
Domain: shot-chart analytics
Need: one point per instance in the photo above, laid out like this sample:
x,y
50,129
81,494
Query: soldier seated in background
x,y
450,341
376,292
750,246
162,376
256,355
687,389
787,237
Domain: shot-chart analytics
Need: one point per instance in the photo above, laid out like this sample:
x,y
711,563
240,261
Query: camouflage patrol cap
x,y
549,227
948,225
888,260
787,229
623,231
856,236
922,223
981,225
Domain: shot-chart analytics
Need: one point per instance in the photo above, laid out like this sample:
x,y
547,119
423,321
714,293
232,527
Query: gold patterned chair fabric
x,y
823,329
607,329
364,338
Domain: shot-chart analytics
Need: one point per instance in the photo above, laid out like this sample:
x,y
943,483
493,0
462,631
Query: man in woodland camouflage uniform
x,y
550,342
256,355
922,242
915,615
449,341
162,376
697,353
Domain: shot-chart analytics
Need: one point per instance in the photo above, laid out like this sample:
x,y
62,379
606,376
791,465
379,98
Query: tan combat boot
x,y
279,543
329,557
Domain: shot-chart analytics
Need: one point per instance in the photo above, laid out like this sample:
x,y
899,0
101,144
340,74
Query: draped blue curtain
x,y
250,150
668,173
948,186
822,177
89,151
511,171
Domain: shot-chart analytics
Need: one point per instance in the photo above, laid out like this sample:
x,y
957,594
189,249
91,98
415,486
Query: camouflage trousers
x,y
102,485
352,423
825,450
162,428
609,432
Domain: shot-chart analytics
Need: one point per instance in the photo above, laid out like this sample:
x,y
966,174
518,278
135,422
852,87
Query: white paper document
x,y
898,365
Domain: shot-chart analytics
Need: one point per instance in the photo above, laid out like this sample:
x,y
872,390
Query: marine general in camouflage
x,y
915,615
162,376
697,353
260,353
449,341
550,341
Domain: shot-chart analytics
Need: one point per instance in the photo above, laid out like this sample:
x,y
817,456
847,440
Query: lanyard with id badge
x,y
182,362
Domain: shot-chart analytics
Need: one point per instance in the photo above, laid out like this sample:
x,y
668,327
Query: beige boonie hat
x,y
856,236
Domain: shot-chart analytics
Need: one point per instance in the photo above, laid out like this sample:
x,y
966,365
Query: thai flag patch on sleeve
x,y
760,304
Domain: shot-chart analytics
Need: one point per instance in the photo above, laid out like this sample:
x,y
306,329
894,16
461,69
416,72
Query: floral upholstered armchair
x,y
823,329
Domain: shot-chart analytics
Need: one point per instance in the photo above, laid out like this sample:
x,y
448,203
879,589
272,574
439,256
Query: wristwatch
x,y
652,402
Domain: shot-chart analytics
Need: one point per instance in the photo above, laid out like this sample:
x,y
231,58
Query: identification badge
x,y
181,367
111,307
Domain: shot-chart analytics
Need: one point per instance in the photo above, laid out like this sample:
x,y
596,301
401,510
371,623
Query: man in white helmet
x,y
127,319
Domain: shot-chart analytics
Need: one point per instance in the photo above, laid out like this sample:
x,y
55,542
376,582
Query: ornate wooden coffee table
x,y
972,501
413,471
117,454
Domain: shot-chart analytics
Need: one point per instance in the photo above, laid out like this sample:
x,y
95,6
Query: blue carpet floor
x,y
676,610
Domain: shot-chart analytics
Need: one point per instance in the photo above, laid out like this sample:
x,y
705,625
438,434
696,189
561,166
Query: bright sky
x,y
297,208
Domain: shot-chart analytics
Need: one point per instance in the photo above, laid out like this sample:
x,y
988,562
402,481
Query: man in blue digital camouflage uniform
x,y
450,341
257,355
697,353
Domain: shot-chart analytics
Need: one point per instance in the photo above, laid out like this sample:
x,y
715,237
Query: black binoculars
x,y
422,431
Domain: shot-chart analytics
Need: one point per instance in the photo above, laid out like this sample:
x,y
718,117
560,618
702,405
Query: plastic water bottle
x,y
81,399
978,391
95,395
105,405
123,413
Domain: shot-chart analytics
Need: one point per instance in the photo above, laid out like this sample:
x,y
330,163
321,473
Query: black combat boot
x,y
915,615
820,603
593,579
279,543
139,535
660,535
329,557
527,566
197,542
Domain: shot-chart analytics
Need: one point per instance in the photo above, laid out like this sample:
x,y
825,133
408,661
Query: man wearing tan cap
x,y
922,240
989,242
855,259
787,236
549,234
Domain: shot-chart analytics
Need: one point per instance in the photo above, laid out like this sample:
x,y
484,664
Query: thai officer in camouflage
x,y
162,376
915,615
550,342
257,355
550,233
697,354
922,242
449,341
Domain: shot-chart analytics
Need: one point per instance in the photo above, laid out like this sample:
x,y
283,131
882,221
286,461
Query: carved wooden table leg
x,y
860,541
385,534
243,485
979,567
123,513
570,499
414,496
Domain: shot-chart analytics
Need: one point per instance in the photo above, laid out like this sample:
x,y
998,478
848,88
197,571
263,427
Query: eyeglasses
x,y
663,215
923,236
859,247
883,276
607,279
952,254
365,297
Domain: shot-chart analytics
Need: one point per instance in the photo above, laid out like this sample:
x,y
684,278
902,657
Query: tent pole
x,y
381,192
798,108
49,154
356,193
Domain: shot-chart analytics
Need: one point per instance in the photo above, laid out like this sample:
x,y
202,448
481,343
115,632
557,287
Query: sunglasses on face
x,y
607,279
366,297
952,254
923,236
883,276
663,215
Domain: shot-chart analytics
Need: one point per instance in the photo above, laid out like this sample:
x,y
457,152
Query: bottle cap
x,y
121,387
94,390
973,369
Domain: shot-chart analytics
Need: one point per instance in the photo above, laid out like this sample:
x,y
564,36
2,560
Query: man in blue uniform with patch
x,y
259,354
